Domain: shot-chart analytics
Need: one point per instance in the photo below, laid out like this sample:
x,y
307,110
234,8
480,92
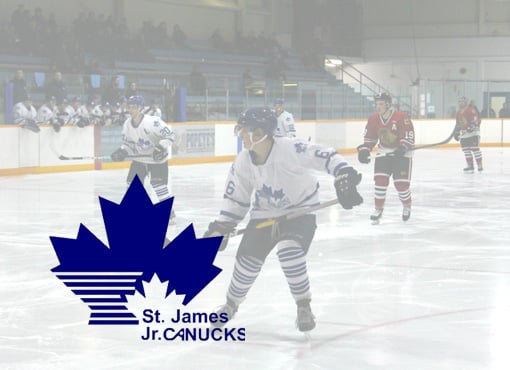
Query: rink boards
x,y
22,151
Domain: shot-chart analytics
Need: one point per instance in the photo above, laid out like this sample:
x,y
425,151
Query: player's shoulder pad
x,y
374,117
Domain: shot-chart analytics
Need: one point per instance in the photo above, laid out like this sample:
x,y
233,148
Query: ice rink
x,y
433,293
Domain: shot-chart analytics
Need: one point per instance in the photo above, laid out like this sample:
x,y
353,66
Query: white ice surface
x,y
433,293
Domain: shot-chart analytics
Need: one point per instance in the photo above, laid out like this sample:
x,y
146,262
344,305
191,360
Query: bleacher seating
x,y
223,72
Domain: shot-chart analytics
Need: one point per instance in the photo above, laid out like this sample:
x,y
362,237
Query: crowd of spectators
x,y
32,32
92,42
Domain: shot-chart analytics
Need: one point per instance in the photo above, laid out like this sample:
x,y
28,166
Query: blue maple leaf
x,y
189,278
135,228
300,147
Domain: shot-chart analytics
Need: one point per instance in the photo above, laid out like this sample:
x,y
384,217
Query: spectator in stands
x,y
148,33
112,93
217,41
19,87
25,114
276,66
153,109
504,112
56,88
17,17
93,68
487,113
247,80
195,113
162,40
179,37
132,90
197,82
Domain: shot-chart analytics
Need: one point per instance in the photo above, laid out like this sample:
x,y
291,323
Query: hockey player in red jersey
x,y
393,133
467,130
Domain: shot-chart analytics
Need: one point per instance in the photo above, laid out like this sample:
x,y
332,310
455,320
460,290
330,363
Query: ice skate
x,y
376,216
225,314
480,169
469,169
305,320
406,213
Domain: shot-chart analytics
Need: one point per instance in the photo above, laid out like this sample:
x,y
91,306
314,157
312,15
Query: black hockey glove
x,y
456,135
400,151
218,228
119,155
363,154
31,125
470,128
345,184
82,122
159,153
55,124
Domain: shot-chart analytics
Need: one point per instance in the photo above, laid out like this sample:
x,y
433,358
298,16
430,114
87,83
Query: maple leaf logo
x,y
103,276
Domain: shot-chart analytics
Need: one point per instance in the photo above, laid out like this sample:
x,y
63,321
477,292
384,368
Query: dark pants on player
x,y
471,149
398,167
292,239
259,243
157,173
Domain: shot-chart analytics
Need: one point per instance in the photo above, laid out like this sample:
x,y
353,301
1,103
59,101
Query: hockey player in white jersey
x,y
286,125
64,112
153,109
80,117
150,136
25,115
96,114
47,113
272,177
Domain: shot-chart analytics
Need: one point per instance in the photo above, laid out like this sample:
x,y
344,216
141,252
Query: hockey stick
x,y
445,141
65,158
289,216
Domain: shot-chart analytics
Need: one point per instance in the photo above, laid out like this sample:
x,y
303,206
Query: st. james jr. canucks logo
x,y
103,276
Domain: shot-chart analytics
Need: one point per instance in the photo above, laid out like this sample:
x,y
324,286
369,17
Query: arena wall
x,y
25,152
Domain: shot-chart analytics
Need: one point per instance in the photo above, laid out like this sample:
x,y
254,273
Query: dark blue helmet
x,y
254,118
135,100
278,101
